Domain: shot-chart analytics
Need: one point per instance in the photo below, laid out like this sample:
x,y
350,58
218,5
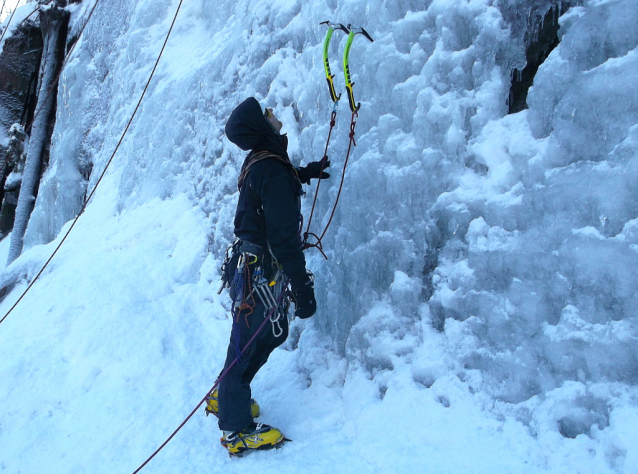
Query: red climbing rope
x,y
117,147
232,364
333,121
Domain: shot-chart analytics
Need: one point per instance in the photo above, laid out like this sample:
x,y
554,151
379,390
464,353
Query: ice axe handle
x,y
354,107
331,87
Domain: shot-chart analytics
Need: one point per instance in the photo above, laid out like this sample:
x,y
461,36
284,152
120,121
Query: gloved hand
x,y
303,295
313,170
305,302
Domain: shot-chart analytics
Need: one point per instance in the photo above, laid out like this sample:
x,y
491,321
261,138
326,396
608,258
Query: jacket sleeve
x,y
279,198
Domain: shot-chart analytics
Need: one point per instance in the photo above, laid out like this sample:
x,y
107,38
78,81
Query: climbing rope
x,y
319,244
217,382
103,172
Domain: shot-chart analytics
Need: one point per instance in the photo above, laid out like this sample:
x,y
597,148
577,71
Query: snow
x,y
20,14
510,348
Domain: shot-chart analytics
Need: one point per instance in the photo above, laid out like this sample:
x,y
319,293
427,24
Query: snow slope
x,y
511,347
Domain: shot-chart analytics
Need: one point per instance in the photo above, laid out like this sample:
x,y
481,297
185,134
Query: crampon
x,y
258,437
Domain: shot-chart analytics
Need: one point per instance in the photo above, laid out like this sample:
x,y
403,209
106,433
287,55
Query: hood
x,y
250,130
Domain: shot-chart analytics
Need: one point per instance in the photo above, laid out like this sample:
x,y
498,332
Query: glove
x,y
304,296
313,170
305,303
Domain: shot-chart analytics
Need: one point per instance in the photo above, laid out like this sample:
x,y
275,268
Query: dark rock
x,y
19,65
540,40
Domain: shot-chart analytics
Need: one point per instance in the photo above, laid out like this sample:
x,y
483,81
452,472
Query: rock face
x,y
12,161
54,24
19,65
539,45
21,91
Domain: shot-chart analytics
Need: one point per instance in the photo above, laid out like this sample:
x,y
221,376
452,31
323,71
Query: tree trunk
x,y
52,21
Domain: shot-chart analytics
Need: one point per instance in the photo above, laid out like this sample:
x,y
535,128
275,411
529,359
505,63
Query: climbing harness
x,y
260,156
354,107
257,274
242,255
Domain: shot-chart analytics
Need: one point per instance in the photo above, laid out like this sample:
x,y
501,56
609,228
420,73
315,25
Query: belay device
x,y
354,107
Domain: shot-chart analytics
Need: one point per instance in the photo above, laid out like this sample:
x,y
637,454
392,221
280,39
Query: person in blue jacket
x,y
268,248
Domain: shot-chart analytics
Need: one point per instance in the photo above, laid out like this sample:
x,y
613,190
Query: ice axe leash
x,y
333,120
354,107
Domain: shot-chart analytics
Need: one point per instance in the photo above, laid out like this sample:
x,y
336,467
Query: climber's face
x,y
276,124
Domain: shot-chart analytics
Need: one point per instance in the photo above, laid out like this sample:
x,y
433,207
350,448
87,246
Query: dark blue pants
x,y
234,388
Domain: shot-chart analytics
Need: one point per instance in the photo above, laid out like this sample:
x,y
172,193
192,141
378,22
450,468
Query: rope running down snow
x,y
232,364
105,168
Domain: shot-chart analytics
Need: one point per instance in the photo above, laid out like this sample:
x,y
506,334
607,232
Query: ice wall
x,y
85,100
543,270
428,84
513,237
486,200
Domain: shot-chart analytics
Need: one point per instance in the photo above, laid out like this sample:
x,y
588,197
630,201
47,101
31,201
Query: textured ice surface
x,y
546,226
478,304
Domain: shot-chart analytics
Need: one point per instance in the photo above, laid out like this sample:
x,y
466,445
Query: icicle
x,y
52,21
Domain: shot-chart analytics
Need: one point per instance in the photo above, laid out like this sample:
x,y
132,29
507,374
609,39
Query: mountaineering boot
x,y
212,405
256,437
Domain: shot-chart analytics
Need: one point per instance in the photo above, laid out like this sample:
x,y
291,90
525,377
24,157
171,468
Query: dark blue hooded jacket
x,y
268,210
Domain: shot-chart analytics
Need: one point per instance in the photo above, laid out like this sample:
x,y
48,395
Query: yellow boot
x,y
212,405
256,437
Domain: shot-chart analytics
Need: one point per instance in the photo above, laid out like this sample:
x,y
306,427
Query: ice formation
x,y
478,301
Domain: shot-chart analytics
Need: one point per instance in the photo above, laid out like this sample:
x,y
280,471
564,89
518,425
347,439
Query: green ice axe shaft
x,y
326,63
346,66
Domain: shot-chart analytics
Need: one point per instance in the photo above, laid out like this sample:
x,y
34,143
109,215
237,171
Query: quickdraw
x,y
354,107
244,272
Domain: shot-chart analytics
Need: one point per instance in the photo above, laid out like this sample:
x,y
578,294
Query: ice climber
x,y
266,255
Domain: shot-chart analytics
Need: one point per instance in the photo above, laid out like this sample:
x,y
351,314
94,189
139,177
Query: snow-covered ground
x,y
511,347
9,18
